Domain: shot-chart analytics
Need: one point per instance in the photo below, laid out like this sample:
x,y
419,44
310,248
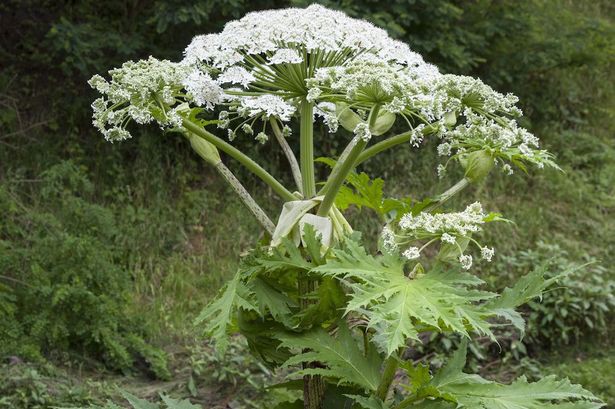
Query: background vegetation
x,y
108,251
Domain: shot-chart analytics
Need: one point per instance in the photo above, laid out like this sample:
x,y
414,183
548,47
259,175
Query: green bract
x,y
312,298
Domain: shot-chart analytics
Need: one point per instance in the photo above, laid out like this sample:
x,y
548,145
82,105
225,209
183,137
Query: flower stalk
x,y
307,149
236,154
343,168
288,152
210,154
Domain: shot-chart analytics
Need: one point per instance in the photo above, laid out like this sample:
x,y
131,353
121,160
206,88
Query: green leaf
x,y
525,289
369,403
268,299
138,403
362,191
282,258
178,404
473,392
344,361
397,306
329,300
219,313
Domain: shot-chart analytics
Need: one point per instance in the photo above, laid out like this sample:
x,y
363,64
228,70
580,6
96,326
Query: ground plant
x,y
312,296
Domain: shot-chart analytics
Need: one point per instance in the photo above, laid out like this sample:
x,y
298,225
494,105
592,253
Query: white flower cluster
x,y
370,81
203,89
283,34
267,105
460,223
144,91
362,131
261,66
258,52
450,229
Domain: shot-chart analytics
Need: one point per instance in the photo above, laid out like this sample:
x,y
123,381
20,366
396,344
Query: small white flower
x,y
267,105
388,239
411,253
236,75
286,131
231,135
362,131
466,261
285,55
327,111
262,138
487,253
447,238
313,94
246,128
444,149
507,169
459,223
203,89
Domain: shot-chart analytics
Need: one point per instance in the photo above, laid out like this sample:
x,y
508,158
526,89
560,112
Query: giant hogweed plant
x,y
310,297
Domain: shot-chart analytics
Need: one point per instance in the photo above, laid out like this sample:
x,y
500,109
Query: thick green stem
x,y
307,149
383,145
343,168
390,367
288,152
241,158
338,175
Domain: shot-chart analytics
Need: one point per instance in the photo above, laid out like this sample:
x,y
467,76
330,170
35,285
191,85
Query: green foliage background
x,y
108,251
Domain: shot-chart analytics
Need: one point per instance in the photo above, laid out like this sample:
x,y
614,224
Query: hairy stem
x,y
288,152
307,149
236,154
246,198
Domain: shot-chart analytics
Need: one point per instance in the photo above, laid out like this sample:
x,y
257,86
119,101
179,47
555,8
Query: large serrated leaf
x,y
344,361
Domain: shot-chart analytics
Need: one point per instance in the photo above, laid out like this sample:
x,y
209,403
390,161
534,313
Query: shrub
x,y
64,289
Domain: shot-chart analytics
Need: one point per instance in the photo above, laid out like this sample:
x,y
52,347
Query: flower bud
x,y
347,117
205,149
450,119
384,122
477,164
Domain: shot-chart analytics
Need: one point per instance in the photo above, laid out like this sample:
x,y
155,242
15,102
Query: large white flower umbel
x,y
272,69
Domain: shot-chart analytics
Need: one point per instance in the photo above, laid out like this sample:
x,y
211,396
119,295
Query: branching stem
x,y
246,198
236,154
344,167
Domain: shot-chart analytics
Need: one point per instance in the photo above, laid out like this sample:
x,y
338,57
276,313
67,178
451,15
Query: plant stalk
x,y
307,149
390,367
343,168
383,145
246,198
444,197
241,158
288,152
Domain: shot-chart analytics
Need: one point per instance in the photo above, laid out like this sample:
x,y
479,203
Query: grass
x,y
592,365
